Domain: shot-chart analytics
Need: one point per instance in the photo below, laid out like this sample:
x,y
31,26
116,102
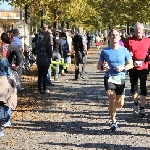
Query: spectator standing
x,y
8,93
57,53
15,58
17,43
80,48
69,40
44,55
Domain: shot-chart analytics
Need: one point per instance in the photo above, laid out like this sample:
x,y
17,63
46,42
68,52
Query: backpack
x,y
64,48
77,41
43,58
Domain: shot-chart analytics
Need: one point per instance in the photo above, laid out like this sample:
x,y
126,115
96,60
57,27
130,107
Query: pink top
x,y
5,49
121,43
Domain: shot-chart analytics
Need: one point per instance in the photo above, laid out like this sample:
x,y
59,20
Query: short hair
x,y
15,31
138,23
62,34
56,33
109,34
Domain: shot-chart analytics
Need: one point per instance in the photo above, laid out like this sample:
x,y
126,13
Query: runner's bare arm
x,y
102,66
99,65
128,64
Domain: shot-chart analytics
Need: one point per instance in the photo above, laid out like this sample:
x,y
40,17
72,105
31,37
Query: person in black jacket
x,y
34,43
64,51
80,48
57,53
44,55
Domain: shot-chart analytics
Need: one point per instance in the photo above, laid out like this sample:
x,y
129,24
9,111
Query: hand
x,y
120,68
62,59
86,52
105,66
135,64
14,67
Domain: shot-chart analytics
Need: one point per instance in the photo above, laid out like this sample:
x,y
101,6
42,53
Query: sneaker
x,y
20,89
50,84
2,134
7,125
46,92
113,127
135,109
63,74
83,77
142,112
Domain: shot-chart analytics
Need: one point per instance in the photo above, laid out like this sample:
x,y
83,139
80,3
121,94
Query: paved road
x,y
74,116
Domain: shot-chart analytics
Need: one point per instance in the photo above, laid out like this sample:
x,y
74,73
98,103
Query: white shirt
x,y
98,39
69,40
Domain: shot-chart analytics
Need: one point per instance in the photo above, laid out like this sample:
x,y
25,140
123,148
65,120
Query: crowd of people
x,y
10,75
53,51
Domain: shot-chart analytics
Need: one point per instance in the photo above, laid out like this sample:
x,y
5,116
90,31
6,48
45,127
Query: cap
x,y
14,31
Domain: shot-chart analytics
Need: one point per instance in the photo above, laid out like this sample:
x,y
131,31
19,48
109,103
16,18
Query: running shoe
x,y
136,109
142,112
2,134
7,125
113,127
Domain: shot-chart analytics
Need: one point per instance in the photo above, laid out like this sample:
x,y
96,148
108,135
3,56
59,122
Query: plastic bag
x,y
14,79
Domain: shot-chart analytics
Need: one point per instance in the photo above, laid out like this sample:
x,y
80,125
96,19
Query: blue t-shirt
x,y
115,58
16,42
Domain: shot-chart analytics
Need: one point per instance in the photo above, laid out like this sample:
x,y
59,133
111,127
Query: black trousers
x,y
42,74
142,76
80,58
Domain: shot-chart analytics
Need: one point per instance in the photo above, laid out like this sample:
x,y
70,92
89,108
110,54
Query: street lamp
x,y
27,15
62,26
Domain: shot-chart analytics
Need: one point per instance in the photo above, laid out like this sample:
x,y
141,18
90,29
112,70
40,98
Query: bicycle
x,y
29,58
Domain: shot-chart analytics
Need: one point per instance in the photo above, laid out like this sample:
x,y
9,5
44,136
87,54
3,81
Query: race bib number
x,y
139,63
115,79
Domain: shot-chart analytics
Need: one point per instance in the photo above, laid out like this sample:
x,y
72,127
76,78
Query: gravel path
x,y
74,116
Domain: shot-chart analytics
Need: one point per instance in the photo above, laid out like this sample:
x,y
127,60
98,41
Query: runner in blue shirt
x,y
115,60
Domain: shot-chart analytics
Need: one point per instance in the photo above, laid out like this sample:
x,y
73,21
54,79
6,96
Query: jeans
x,y
68,60
19,71
7,112
1,116
80,58
61,68
48,79
42,74
56,57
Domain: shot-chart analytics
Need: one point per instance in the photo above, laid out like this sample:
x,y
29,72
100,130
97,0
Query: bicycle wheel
x,y
27,63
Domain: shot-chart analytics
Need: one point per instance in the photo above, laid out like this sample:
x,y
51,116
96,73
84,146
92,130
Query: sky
x,y
5,5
